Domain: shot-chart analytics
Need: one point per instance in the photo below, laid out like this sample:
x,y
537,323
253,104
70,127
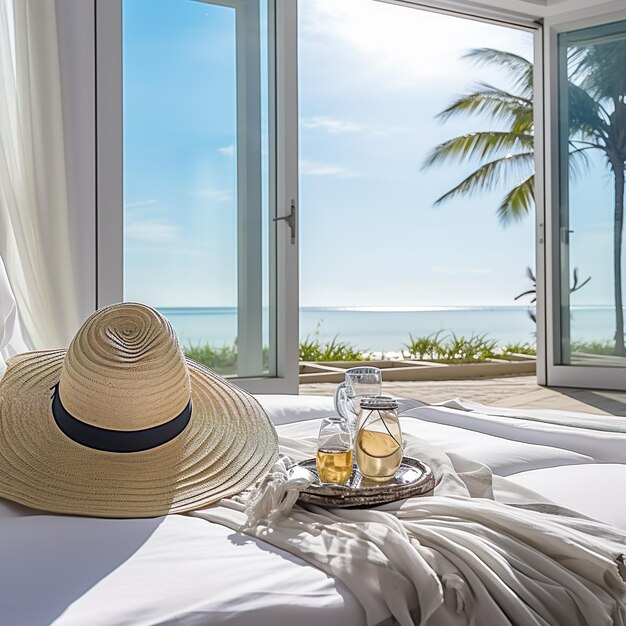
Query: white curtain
x,y
11,336
34,217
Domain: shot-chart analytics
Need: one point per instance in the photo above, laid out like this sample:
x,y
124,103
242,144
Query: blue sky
x,y
179,170
371,83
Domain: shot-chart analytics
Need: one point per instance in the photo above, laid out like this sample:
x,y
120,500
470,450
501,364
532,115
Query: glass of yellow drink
x,y
334,450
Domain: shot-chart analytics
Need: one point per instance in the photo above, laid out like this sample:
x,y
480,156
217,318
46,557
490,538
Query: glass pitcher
x,y
379,438
359,382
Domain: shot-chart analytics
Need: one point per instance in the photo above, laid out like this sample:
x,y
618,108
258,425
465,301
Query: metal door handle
x,y
290,219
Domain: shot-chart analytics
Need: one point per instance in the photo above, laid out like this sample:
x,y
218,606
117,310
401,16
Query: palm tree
x,y
597,121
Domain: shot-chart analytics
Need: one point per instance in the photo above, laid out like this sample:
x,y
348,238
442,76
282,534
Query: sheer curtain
x,y
11,336
34,217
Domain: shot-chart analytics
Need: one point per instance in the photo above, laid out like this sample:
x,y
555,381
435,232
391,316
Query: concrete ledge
x,y
333,372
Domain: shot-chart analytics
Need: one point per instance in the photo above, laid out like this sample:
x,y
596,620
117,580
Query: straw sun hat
x,y
121,424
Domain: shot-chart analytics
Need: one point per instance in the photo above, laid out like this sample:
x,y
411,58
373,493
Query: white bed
x,y
187,571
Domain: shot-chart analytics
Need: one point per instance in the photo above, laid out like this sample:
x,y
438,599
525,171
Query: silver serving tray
x,y
412,479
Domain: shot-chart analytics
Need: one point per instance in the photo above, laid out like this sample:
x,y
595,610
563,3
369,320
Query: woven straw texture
x,y
125,370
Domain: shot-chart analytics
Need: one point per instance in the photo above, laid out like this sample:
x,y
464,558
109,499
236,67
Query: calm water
x,y
388,330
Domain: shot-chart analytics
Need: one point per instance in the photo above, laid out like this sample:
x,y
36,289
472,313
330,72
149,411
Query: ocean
x,y
388,329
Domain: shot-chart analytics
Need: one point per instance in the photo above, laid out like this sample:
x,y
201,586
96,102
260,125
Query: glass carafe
x,y
360,382
379,438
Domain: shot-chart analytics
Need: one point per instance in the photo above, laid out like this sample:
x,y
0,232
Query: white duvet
x,y
182,570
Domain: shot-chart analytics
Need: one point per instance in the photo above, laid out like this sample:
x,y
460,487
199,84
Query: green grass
x,y
593,347
451,348
423,347
312,349
519,348
221,359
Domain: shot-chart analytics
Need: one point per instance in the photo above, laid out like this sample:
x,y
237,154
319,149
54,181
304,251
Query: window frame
x,y
556,374
283,189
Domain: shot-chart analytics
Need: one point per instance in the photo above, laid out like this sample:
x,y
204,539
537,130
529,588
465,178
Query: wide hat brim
x,y
227,445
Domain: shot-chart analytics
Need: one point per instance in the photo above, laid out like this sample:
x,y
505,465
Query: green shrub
x,y
312,349
593,347
452,348
519,348
221,359
424,347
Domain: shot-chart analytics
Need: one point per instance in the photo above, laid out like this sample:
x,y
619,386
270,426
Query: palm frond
x,y
518,202
521,68
497,103
576,286
579,161
498,57
485,144
585,114
599,69
488,174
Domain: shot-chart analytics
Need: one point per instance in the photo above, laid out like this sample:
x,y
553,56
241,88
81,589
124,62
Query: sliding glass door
x,y
586,315
189,139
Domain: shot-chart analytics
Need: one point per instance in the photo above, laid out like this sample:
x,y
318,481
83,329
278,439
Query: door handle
x,y
290,219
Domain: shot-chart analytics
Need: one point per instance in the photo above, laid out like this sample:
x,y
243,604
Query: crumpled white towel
x,y
274,495
462,555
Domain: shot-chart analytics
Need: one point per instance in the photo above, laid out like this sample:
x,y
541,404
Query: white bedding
x,y
182,570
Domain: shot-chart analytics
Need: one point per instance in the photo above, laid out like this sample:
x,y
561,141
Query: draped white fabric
x,y
34,217
480,550
11,337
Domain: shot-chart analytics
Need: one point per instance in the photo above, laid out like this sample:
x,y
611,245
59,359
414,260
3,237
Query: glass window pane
x,y
592,128
382,258
195,174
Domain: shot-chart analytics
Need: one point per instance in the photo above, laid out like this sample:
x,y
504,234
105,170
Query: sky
x,y
372,78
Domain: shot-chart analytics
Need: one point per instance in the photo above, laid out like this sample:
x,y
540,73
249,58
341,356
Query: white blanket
x,y
481,550
72,571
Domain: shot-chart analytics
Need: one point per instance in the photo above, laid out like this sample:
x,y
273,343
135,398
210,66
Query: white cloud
x,y
154,231
462,271
335,126
153,247
332,124
227,150
140,204
217,195
399,45
144,222
311,168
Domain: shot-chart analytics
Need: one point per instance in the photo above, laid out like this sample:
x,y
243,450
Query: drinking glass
x,y
334,450
359,382
379,438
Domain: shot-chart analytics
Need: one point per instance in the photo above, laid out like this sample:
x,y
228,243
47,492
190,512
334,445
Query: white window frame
x,y
596,377
283,131
101,223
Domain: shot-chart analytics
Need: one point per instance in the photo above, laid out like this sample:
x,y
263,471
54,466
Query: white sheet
x,y
604,447
503,456
179,570
173,570
593,490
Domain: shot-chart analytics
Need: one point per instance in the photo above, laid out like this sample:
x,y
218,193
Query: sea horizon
x,y
387,329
